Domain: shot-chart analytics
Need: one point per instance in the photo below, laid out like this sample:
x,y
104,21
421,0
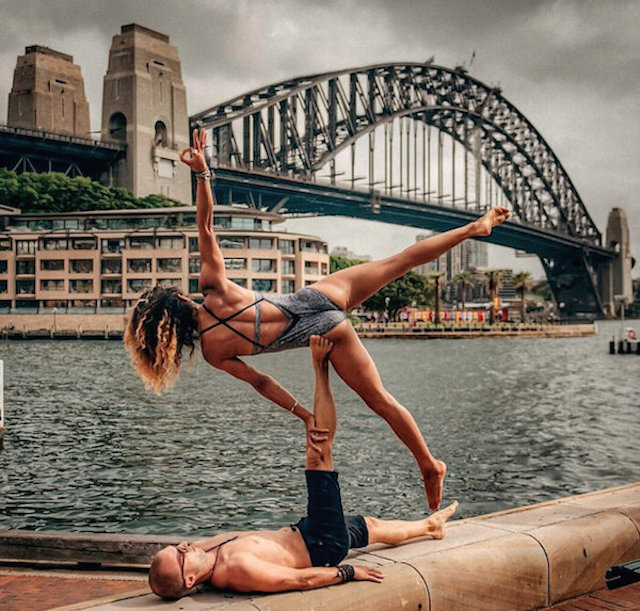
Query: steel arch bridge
x,y
433,146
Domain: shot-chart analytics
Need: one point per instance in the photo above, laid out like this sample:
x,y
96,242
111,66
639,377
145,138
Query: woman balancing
x,y
234,322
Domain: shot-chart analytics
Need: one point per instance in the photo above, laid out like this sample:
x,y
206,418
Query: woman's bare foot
x,y
434,524
496,216
320,348
433,483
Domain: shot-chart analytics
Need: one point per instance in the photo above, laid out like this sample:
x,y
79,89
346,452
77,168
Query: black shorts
x,y
327,533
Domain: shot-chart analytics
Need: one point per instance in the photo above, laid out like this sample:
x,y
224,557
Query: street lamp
x,y
55,311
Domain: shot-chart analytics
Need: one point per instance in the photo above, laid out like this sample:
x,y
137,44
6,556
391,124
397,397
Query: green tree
x,y
55,192
412,288
435,282
462,280
521,282
493,278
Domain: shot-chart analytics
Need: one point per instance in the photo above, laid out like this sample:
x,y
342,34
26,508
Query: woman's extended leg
x,y
356,367
351,286
394,532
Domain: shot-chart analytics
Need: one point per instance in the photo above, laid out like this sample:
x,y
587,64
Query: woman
x,y
234,322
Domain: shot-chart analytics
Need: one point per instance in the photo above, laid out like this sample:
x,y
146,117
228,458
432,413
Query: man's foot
x,y
496,216
433,482
320,348
434,524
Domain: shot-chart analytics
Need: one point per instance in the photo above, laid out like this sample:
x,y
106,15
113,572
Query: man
x,y
300,557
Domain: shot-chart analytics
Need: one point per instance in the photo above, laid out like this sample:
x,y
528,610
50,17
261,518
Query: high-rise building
x,y
144,104
48,94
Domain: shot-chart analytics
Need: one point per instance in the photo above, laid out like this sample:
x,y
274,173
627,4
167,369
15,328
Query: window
x,y
195,265
167,282
112,246
111,286
118,127
171,243
54,244
52,265
287,247
112,302
3,266
288,286
3,286
83,243
52,285
27,247
86,304
81,266
232,242
141,243
263,285
235,263
111,266
324,270
80,286
288,267
25,287
307,246
193,285
138,266
169,265
137,286
160,138
5,243
239,281
260,243
27,267
193,244
310,267
262,265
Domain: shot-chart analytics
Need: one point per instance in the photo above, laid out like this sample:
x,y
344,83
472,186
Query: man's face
x,y
191,560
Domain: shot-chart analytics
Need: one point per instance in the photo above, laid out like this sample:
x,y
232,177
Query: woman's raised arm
x,y
212,273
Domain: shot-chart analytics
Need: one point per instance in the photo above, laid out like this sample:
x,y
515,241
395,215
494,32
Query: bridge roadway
x,y
291,196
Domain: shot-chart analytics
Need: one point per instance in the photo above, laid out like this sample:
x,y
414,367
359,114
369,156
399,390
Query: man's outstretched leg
x,y
394,532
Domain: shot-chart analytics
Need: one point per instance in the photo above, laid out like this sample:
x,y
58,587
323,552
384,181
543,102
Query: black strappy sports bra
x,y
224,321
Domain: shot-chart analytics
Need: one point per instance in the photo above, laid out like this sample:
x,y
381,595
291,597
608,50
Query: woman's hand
x,y
315,435
193,156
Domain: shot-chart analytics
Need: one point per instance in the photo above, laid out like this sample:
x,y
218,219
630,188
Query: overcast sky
x,y
572,67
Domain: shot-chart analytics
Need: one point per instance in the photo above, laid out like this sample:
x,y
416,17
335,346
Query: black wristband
x,y
346,572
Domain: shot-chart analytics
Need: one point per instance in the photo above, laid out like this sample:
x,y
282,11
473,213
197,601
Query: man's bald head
x,y
165,574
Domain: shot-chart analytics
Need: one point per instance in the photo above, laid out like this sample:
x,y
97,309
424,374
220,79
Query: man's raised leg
x,y
324,406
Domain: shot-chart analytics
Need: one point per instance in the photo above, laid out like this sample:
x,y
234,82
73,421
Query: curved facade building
x,y
102,261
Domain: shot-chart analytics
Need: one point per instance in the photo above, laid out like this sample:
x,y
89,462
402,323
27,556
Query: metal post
x,y
1,401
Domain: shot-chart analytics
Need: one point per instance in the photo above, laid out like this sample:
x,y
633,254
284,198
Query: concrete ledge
x,y
525,558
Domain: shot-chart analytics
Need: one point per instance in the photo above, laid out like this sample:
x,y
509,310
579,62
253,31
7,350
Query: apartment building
x,y
102,261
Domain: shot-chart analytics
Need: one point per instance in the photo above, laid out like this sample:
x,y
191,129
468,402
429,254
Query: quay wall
x,y
79,324
520,559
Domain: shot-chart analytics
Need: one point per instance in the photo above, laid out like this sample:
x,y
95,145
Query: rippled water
x,y
517,420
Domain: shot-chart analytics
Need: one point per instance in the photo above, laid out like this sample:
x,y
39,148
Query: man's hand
x,y
364,573
315,436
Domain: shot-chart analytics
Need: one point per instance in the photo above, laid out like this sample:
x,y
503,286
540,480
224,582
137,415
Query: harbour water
x,y
518,421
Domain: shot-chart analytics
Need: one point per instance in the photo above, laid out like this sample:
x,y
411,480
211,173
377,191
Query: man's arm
x,y
250,574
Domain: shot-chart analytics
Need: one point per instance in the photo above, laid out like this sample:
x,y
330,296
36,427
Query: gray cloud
x,y
571,66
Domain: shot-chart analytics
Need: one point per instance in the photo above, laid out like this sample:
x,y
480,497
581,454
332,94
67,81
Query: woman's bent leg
x,y
356,367
351,286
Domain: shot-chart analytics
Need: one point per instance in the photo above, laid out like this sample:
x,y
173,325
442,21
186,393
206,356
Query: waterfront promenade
x,y
111,326
524,558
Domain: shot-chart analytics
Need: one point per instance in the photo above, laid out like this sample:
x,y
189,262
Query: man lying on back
x,y
301,556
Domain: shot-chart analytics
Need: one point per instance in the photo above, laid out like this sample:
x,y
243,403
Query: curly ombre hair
x,y
160,327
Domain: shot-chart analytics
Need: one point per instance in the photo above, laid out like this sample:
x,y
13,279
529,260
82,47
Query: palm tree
x,y
463,279
522,282
494,280
436,285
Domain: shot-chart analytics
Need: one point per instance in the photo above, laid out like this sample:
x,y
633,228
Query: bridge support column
x,y
616,276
